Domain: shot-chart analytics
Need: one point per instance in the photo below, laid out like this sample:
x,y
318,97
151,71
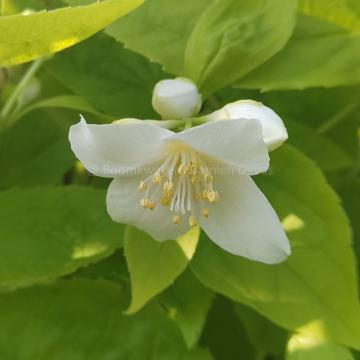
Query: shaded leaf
x,y
52,231
318,54
115,81
224,334
82,319
158,32
188,302
233,37
35,151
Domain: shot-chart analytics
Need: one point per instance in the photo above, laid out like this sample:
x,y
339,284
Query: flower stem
x,y
33,68
188,123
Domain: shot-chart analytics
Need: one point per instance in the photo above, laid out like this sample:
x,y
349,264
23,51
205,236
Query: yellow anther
x,y
176,219
194,168
195,179
143,186
168,187
147,204
188,170
208,179
144,203
205,195
158,177
182,169
213,196
206,212
192,220
165,201
151,205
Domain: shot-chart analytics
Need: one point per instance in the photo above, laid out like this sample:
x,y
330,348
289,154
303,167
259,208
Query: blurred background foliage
x,y
68,274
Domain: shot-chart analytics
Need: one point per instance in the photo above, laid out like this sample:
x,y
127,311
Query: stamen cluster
x,y
185,178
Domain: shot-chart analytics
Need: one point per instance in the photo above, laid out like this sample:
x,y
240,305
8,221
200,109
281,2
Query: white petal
x,y
123,205
176,98
238,143
274,130
244,223
117,149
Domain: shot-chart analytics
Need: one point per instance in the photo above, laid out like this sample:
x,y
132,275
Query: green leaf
x,y
315,291
266,337
188,302
52,231
27,37
225,335
318,54
35,151
349,192
233,37
301,347
323,151
115,81
154,265
72,102
158,32
344,13
82,319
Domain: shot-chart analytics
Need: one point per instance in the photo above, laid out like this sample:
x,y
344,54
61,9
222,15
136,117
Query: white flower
x,y
274,130
176,98
165,182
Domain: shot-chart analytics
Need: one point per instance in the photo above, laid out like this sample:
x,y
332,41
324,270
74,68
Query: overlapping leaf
x,y
154,265
82,319
315,291
233,37
318,54
114,80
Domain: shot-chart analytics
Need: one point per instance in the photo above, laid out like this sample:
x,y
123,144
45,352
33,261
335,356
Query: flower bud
x,y
274,130
176,98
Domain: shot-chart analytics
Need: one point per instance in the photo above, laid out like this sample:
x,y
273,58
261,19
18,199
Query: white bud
x,y
176,98
274,130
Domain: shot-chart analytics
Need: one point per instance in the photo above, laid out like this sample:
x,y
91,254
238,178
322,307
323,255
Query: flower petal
x,y
117,149
238,143
123,205
274,130
244,223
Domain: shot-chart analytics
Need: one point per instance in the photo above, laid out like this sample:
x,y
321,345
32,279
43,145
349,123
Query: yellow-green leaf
x,y
27,37
154,265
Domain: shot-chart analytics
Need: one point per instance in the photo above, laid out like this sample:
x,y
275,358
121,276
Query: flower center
x,y
185,178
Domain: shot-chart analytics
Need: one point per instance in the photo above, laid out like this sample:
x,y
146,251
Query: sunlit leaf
x,y
26,37
302,347
315,291
154,265
344,13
